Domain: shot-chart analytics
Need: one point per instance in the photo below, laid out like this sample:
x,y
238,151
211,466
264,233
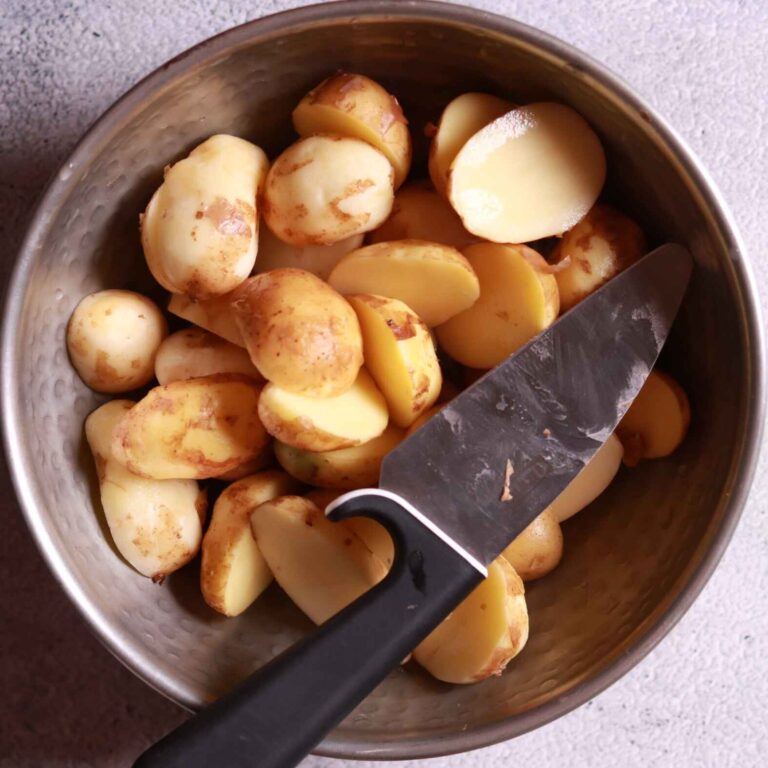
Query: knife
x,y
453,496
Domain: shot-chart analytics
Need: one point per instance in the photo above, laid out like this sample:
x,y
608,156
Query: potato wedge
x,y
656,422
400,355
530,174
460,121
214,315
199,231
538,549
345,468
483,634
322,566
156,525
196,428
192,353
301,334
518,299
402,269
326,188
233,572
354,105
325,424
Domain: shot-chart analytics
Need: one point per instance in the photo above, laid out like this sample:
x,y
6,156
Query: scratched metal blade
x,y
542,413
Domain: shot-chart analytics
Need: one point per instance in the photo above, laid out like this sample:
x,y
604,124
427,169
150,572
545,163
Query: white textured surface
x,y
701,698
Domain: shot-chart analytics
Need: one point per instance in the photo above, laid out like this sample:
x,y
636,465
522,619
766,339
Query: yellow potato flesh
x,y
434,280
532,173
214,315
538,549
517,301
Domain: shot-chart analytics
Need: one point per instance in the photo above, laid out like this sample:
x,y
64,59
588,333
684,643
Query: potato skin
x,y
214,315
538,549
300,333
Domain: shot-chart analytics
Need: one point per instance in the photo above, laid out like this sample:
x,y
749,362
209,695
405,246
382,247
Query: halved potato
x,y
483,634
435,281
233,572
538,549
518,299
325,424
214,315
196,428
356,106
532,173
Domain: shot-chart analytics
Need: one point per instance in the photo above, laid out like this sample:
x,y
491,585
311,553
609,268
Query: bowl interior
x,y
627,559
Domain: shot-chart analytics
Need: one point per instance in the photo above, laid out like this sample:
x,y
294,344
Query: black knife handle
x,y
283,710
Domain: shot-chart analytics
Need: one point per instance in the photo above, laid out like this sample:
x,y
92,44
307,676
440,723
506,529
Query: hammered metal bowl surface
x,y
633,562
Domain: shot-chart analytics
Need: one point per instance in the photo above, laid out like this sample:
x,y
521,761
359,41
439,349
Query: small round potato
x,y
356,106
113,337
538,549
214,315
326,188
301,334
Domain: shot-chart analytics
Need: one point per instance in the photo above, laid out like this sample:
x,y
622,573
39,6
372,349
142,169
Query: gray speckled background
x,y
701,698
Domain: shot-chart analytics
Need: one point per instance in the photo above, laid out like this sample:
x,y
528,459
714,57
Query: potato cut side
x,y
322,566
325,424
345,468
214,315
483,634
434,280
538,549
233,572
196,428
460,121
657,421
354,105
590,482
532,173
518,300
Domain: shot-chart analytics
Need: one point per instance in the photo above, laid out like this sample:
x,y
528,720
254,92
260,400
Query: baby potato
x,y
263,460
531,173
460,121
419,213
518,300
301,334
656,422
423,419
113,337
538,549
193,352
199,231
196,428
356,106
322,566
483,634
327,188
402,269
344,468
233,572
604,243
400,355
214,315
156,524
325,424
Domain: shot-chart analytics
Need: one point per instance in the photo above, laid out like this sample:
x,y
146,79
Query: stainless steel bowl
x,y
633,563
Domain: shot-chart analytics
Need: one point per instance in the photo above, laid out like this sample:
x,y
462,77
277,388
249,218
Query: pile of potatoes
x,y
333,309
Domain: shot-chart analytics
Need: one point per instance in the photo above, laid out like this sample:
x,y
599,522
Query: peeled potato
x,y
461,119
156,524
196,428
233,572
518,300
214,315
483,634
435,281
532,173
322,566
300,334
656,422
199,232
399,354
193,352
113,337
325,424
356,106
538,549
604,243
326,188
345,468
419,213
